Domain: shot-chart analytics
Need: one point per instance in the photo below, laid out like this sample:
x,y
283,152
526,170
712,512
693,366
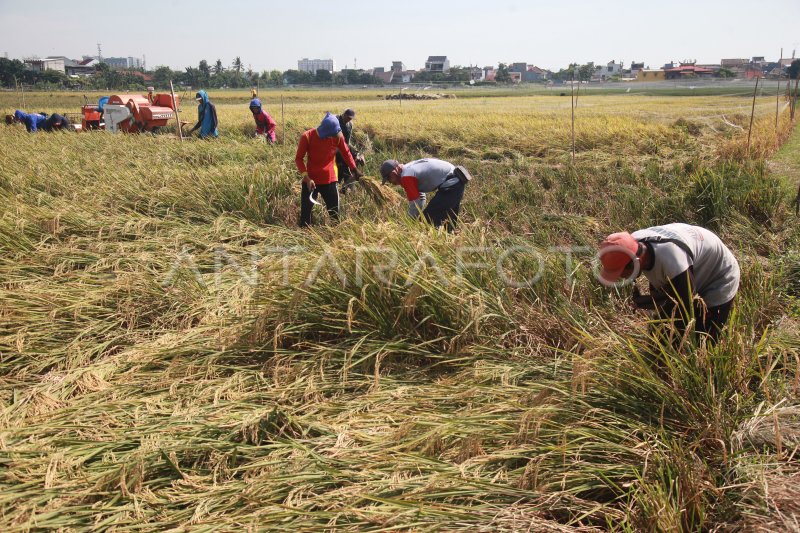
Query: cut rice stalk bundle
x,y
380,194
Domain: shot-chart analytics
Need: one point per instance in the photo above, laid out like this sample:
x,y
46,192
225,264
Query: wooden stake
x,y
572,106
752,114
16,90
777,106
283,122
793,100
175,108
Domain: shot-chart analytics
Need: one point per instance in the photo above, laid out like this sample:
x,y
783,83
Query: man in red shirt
x,y
316,160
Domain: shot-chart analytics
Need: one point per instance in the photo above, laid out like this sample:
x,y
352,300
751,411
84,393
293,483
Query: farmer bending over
x,y
265,124
33,121
55,122
682,263
423,176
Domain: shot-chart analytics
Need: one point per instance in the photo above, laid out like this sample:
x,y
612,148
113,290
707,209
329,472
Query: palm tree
x,y
218,68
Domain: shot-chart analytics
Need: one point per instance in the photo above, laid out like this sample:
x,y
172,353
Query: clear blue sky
x,y
268,35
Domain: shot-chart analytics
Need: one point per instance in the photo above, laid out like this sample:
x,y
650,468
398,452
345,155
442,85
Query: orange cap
x,y
616,251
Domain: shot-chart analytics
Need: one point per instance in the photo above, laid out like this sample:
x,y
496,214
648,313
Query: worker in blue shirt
x,y
33,121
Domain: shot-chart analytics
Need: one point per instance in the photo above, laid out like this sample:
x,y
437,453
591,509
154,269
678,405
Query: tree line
x,y
209,75
217,76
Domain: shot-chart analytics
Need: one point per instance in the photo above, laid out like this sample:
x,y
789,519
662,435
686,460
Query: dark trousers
x,y
444,207
346,179
711,320
330,195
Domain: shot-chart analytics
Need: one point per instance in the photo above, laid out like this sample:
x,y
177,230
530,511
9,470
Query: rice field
x,y
176,355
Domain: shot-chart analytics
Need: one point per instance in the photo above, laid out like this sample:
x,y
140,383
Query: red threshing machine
x,y
130,113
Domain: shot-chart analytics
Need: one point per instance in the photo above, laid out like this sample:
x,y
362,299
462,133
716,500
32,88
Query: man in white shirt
x,y
680,262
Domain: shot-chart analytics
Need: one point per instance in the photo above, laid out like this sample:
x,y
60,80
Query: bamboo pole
x,y
283,122
175,108
572,106
777,106
752,114
793,100
797,202
777,99
16,90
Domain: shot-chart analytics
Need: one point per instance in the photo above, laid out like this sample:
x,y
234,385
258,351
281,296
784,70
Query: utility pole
x,y
99,53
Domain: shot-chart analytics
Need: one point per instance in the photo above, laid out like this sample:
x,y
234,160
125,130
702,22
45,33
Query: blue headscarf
x,y
329,127
205,115
255,102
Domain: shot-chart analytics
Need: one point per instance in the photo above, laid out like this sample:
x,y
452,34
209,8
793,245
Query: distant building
x,y
48,63
533,73
732,64
489,73
398,66
651,75
381,74
635,68
123,62
611,69
438,64
528,73
313,65
84,67
146,78
687,71
775,71
754,71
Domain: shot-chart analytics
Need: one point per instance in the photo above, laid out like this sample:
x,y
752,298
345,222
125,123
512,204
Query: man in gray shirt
x,y
423,176
680,261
